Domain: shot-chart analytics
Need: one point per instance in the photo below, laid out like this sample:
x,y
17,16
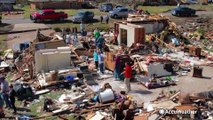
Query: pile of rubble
x,y
153,46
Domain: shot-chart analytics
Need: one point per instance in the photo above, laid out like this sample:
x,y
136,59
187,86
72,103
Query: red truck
x,y
48,14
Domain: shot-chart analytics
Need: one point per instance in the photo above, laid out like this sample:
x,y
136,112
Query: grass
x,y
160,9
72,12
89,27
2,42
36,108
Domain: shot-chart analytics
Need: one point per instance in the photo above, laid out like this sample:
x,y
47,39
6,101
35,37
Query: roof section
x,y
7,1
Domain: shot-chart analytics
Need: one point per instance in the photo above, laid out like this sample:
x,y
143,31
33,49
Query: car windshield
x,y
40,12
80,14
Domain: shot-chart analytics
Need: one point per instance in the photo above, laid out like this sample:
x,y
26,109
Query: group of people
x,y
7,95
98,57
127,72
99,60
70,38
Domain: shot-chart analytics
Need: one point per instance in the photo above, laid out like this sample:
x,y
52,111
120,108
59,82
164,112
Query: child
x,y
12,98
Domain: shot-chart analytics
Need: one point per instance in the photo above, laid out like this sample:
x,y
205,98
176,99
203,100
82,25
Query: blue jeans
x,y
101,66
116,74
7,100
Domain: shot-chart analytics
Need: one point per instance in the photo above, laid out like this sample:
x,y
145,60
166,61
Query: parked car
x,y
47,14
183,11
210,1
87,5
84,16
192,1
106,7
120,12
118,6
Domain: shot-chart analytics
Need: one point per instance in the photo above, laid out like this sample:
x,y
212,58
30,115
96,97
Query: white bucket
x,y
106,96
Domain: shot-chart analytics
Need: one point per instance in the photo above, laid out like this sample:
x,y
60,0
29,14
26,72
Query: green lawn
x,y
2,42
36,108
89,27
160,9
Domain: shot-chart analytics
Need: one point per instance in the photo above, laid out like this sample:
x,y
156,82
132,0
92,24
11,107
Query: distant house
x,y
6,5
55,4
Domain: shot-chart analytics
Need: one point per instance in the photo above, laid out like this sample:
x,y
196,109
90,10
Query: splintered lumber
x,y
42,116
62,117
199,98
102,105
185,107
141,68
175,95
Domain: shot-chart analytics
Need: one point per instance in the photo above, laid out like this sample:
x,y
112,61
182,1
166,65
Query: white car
x,y
120,12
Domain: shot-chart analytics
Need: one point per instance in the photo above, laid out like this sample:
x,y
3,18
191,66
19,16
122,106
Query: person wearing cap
x,y
5,90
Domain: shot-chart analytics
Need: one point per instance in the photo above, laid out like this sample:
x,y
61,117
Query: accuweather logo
x,y
176,112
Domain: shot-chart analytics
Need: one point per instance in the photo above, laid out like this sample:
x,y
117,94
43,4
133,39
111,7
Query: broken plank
x,y
175,95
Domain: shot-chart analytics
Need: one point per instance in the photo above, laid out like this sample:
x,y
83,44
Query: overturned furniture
x,y
52,59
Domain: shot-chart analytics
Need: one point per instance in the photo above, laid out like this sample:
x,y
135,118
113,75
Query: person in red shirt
x,y
128,76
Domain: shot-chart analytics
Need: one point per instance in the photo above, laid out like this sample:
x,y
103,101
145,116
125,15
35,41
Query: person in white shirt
x,y
68,38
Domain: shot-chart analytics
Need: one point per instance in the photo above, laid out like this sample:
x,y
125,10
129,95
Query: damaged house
x,y
134,29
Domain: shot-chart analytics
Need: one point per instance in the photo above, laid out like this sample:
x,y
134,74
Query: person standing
x,y
107,19
117,68
101,61
12,95
75,39
100,42
82,27
68,38
101,18
5,90
128,76
96,35
95,57
1,106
